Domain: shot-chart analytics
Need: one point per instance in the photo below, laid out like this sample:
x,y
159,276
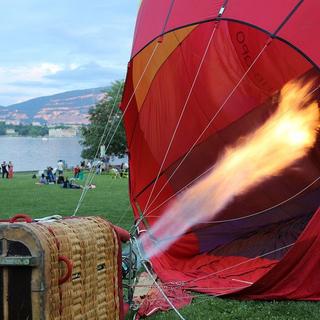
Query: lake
x,y
28,153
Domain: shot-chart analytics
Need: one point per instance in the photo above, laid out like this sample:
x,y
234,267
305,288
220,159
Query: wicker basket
x,y
67,269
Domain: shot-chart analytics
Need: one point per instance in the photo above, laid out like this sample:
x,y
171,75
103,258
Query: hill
x,y
69,107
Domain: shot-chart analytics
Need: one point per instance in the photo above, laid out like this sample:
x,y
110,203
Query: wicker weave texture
x,y
92,291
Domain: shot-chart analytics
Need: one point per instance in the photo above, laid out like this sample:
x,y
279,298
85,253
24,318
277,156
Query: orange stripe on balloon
x,y
168,44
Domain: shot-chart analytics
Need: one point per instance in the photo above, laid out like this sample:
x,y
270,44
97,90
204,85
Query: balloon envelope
x,y
202,75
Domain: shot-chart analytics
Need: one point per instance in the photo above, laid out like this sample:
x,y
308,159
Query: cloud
x,y
54,46
26,82
88,73
28,72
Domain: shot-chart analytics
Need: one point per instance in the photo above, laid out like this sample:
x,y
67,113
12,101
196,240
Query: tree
x,y
99,116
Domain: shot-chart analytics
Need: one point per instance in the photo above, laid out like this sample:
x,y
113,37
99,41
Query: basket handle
x,y
21,216
69,269
123,235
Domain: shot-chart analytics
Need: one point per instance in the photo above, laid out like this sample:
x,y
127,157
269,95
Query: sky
x,y
52,46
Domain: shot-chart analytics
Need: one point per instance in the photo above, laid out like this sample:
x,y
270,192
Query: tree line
x,y
105,117
24,130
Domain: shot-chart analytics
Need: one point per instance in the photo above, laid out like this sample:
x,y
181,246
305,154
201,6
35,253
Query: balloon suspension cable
x,y
183,283
209,124
213,118
207,171
240,263
130,266
145,264
101,142
90,179
180,117
243,217
148,205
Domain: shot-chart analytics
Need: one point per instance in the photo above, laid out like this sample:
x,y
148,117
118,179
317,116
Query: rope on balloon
x,y
154,281
179,120
190,281
239,264
211,168
90,179
227,290
148,204
91,173
239,218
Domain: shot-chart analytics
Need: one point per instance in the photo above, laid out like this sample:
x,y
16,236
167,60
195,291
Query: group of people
x,y
60,180
55,176
52,175
49,176
7,170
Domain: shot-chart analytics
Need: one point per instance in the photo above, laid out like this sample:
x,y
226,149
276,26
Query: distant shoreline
x,y
45,137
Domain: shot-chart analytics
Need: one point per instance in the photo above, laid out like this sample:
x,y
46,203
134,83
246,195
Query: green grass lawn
x,y
110,200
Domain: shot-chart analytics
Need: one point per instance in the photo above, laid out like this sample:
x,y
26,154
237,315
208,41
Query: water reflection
x,y
37,153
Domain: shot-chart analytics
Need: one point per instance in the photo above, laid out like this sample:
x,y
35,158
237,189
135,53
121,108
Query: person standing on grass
x,y
4,170
10,170
60,167
76,172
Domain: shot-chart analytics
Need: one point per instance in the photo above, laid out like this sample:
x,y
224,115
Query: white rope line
x,y
124,214
178,192
91,172
123,114
268,209
240,218
239,264
157,285
113,120
250,215
182,113
85,190
208,296
191,288
209,124
210,168
184,158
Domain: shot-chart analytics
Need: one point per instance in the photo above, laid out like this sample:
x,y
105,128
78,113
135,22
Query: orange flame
x,y
284,138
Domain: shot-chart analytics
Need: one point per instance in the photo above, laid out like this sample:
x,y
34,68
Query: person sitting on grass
x,y
50,176
71,185
42,180
114,173
60,179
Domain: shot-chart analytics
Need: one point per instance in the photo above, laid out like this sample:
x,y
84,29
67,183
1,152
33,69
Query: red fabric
x,y
296,276
211,252
267,15
151,21
154,301
210,274
301,28
150,130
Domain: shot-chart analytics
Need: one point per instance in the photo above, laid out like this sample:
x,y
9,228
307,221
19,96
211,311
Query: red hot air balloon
x,y
201,75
